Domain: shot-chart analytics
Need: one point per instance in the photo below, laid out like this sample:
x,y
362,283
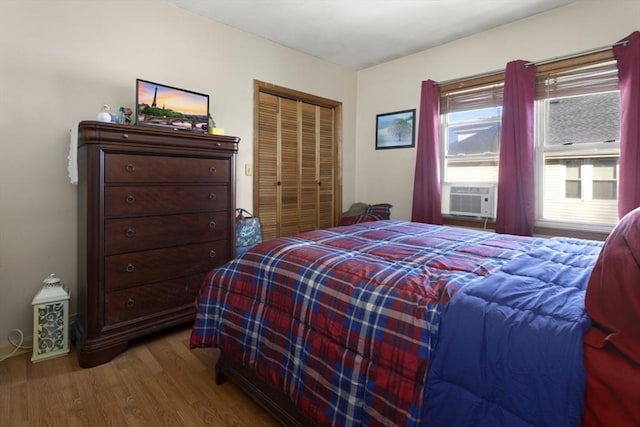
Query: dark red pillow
x,y
381,210
612,346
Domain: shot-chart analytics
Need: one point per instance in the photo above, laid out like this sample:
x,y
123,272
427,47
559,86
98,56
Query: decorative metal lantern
x,y
50,320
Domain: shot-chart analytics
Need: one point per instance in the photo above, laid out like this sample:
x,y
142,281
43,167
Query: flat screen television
x,y
170,107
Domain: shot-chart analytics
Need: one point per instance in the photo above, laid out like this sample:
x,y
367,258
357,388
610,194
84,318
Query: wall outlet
x,y
248,170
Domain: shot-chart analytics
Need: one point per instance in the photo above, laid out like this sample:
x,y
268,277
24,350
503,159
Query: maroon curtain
x,y
516,181
628,57
426,183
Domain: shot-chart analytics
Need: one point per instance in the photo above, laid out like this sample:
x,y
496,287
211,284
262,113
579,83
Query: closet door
x,y
308,167
277,157
266,192
289,148
326,167
295,166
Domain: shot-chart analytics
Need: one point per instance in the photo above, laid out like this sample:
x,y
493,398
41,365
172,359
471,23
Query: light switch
x,y
248,170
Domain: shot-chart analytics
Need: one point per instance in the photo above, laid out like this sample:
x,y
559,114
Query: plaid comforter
x,y
345,320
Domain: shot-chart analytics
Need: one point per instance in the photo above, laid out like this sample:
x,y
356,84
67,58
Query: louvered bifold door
x,y
316,167
295,166
308,167
326,165
289,169
278,167
266,155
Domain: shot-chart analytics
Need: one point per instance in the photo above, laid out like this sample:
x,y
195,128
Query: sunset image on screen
x,y
168,106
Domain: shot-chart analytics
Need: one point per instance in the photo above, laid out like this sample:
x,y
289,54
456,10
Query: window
x,y
472,145
471,120
578,133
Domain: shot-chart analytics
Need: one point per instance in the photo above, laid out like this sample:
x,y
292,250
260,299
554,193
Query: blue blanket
x,y
509,350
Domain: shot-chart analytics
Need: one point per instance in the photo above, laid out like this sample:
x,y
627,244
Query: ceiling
x,y
358,34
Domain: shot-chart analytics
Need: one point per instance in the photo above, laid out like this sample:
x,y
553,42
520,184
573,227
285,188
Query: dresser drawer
x,y
158,200
141,233
131,168
135,268
154,299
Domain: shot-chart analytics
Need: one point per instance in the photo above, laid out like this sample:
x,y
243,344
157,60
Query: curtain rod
x,y
545,61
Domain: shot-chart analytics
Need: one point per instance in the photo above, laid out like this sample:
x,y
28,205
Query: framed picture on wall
x,y
396,130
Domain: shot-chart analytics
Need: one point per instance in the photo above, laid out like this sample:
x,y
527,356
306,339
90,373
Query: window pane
x,y
572,168
477,138
583,119
605,190
573,189
564,182
604,169
473,132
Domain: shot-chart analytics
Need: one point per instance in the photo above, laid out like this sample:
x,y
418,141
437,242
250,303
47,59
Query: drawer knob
x,y
125,136
130,199
130,268
130,232
130,302
130,168
212,169
212,253
212,224
212,196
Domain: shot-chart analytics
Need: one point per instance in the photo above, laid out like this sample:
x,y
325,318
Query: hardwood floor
x,y
158,381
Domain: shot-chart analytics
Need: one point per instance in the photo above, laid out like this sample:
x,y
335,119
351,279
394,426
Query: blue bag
x,y
248,228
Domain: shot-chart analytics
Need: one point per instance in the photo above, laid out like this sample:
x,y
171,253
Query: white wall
x,y
387,175
61,60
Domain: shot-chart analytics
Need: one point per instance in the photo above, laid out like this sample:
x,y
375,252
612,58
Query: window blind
x,y
486,96
589,74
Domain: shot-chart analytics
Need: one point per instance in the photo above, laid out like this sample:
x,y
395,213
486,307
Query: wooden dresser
x,y
155,213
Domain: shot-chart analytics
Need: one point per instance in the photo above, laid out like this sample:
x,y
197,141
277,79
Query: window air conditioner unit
x,y
473,200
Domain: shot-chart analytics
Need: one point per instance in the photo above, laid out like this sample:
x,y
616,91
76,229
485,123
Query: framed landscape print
x,y
396,130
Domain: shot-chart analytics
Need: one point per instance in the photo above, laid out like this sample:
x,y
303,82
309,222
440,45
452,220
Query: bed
x,y
398,323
